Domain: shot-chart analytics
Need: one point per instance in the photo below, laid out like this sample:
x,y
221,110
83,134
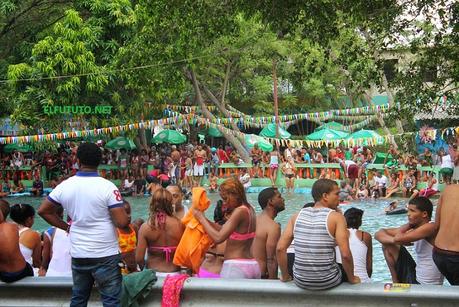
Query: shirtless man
x,y
446,248
177,198
200,156
419,231
175,156
268,232
13,267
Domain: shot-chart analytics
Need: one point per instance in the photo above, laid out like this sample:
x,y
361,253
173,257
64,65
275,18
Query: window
x,y
429,74
390,69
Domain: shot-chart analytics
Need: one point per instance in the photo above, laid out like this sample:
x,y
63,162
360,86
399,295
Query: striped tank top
x,y
315,267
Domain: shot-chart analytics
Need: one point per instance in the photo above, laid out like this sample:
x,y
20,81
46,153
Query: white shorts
x,y
241,268
189,172
198,170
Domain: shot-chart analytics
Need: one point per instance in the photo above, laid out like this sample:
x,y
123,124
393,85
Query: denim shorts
x,y
105,272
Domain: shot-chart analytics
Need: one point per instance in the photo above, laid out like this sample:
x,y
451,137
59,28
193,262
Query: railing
x,y
56,291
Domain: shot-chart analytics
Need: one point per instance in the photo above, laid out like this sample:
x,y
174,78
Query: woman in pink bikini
x,y
160,236
238,231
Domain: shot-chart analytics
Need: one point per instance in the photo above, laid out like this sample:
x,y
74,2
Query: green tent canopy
x,y
169,136
366,136
269,131
326,134
16,146
211,131
331,125
263,144
119,143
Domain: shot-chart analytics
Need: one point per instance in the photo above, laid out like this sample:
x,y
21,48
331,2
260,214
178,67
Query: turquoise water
x,y
373,219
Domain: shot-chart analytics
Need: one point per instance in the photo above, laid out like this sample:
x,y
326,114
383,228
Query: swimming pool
x,y
373,218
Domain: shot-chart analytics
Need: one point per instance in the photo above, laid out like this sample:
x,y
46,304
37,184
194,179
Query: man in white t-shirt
x,y
381,184
96,207
420,232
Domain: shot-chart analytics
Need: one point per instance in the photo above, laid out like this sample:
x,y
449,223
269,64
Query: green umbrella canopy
x,y
169,136
120,142
366,135
16,146
213,132
269,131
331,125
326,134
263,144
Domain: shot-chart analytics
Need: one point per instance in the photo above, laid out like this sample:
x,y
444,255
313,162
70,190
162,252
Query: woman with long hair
x,y
238,231
160,235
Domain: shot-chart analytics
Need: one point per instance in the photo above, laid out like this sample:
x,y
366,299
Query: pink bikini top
x,y
244,236
166,249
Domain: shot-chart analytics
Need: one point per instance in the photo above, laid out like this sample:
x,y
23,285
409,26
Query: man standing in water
x,y
96,208
13,267
446,248
268,232
419,231
200,157
317,230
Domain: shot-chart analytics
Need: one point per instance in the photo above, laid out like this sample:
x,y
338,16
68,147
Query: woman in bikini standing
x,y
160,235
239,231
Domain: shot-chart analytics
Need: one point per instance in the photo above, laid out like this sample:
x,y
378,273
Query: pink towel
x,y
172,287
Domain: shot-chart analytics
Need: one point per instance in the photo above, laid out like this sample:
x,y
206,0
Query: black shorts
x,y
256,162
15,276
290,261
447,263
289,176
405,267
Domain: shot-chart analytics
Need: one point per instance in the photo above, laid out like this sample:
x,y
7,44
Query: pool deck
x,y
56,291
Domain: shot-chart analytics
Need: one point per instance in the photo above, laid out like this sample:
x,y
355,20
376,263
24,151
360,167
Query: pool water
x,y
373,218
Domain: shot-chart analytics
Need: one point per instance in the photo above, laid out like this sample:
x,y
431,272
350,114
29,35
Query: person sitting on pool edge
x,y
421,232
268,232
13,266
317,230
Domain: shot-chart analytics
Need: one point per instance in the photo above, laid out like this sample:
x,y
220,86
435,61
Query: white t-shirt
x,y
87,198
381,182
446,162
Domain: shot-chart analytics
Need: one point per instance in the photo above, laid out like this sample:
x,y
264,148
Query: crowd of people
x,y
320,247
188,164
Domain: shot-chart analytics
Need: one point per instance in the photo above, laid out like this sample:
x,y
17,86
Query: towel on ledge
x,y
172,287
137,285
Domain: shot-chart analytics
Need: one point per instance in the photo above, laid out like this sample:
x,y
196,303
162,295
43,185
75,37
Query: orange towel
x,y
195,241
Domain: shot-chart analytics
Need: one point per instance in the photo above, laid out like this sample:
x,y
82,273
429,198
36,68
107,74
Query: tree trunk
x,y
142,138
206,113
381,122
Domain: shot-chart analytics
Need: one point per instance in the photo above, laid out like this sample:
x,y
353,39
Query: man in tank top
x,y
420,232
317,230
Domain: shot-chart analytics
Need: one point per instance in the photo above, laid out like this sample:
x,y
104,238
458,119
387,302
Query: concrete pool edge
x,y
56,291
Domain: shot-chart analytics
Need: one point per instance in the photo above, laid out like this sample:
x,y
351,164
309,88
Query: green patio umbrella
x,y
211,131
169,136
269,131
331,125
368,136
119,143
263,144
326,134
16,146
